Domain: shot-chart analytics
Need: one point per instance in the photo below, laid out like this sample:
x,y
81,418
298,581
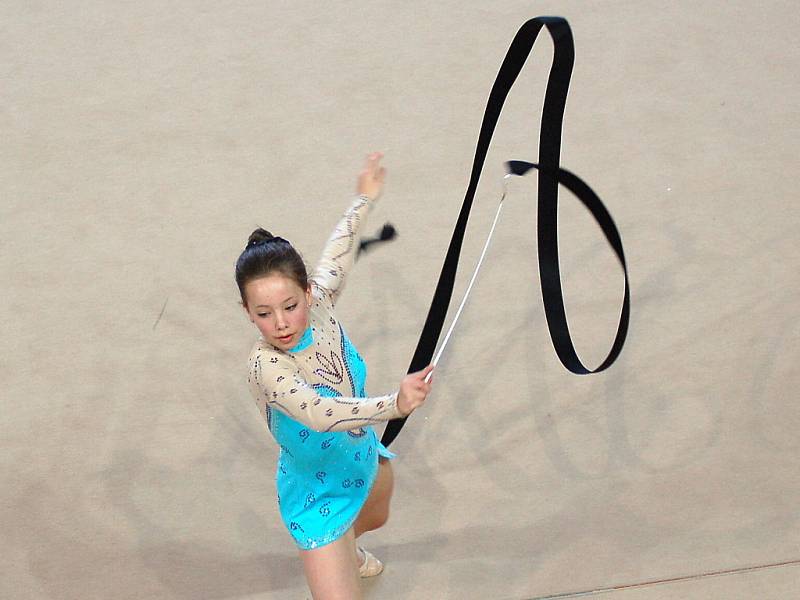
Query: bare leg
x,y
332,571
375,511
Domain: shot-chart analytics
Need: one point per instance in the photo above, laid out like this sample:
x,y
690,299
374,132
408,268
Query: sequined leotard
x,y
314,399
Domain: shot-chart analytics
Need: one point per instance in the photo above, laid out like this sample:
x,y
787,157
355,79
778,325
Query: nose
x,y
280,321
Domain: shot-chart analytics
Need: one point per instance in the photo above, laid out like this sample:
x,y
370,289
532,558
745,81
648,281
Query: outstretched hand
x,y
371,177
413,391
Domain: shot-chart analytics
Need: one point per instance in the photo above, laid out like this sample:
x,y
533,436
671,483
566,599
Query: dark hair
x,y
265,254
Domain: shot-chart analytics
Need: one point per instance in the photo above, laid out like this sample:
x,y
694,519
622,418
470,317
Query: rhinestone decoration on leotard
x,y
331,370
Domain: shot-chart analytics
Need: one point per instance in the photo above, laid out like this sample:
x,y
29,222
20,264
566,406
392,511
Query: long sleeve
x,y
275,381
341,249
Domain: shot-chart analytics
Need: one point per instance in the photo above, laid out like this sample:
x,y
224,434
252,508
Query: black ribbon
x,y
387,233
550,176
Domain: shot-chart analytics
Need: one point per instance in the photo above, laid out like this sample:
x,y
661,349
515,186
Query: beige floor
x,y
141,143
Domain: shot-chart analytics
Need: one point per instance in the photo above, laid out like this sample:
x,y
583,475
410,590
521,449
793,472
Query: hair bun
x,y
259,236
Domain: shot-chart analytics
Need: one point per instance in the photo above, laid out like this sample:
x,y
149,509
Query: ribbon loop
x,y
550,176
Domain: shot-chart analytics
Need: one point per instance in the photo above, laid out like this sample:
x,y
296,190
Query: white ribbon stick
x,y
472,281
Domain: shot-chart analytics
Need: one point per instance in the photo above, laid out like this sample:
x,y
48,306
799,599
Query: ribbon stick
x,y
550,176
471,281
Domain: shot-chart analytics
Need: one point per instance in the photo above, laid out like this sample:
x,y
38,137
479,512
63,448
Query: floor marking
x,y
655,582
161,314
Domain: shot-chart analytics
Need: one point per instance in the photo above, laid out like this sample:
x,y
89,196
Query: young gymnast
x,y
334,479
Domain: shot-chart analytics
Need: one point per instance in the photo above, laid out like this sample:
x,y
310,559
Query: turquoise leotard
x,y
324,478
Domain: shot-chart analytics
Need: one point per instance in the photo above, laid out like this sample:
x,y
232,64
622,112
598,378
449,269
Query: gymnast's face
x,y
279,308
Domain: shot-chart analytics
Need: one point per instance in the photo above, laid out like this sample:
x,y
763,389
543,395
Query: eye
x,y
292,307
262,315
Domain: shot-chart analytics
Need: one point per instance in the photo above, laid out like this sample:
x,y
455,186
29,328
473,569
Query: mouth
x,y
285,339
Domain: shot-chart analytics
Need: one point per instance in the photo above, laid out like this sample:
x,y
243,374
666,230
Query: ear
x,y
309,297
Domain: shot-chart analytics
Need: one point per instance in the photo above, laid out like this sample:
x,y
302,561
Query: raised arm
x,y
341,249
276,382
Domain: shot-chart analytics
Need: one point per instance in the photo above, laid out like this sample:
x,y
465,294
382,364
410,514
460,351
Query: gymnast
x,y
334,480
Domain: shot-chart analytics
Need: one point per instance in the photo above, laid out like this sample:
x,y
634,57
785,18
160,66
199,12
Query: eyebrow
x,y
268,306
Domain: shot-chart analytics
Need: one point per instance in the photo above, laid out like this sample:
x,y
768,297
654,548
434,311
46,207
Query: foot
x,y
370,566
